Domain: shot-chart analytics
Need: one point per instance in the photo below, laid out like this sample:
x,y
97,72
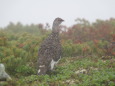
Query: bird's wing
x,y
50,49
44,55
58,52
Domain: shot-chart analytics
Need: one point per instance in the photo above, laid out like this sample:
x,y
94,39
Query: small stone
x,y
71,81
81,71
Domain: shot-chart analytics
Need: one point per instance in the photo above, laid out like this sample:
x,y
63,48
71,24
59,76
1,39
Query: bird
x,y
50,51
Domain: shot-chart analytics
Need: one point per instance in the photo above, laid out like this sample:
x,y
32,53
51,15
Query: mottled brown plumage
x,y
50,50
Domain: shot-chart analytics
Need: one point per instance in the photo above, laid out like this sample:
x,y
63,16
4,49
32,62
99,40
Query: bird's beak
x,y
62,20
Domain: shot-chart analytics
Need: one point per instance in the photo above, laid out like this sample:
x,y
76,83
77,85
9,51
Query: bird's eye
x,y
60,19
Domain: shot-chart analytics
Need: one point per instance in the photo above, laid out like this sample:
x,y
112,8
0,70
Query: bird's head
x,y
58,21
56,24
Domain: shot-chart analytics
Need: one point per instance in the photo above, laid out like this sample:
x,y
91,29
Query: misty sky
x,y
43,11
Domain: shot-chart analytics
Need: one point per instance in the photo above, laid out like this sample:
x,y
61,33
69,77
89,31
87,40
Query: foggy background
x,y
45,11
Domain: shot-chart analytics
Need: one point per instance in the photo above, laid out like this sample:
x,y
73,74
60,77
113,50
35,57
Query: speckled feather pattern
x,y
50,49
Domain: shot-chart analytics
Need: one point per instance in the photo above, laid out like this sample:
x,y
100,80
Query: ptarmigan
x,y
50,50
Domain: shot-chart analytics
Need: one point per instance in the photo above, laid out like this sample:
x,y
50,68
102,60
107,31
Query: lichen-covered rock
x,y
3,75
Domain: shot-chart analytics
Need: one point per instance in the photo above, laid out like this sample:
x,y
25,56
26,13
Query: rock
x,y
70,82
81,71
92,68
3,75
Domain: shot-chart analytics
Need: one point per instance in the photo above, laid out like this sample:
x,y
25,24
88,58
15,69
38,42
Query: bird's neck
x,y
55,28
55,34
